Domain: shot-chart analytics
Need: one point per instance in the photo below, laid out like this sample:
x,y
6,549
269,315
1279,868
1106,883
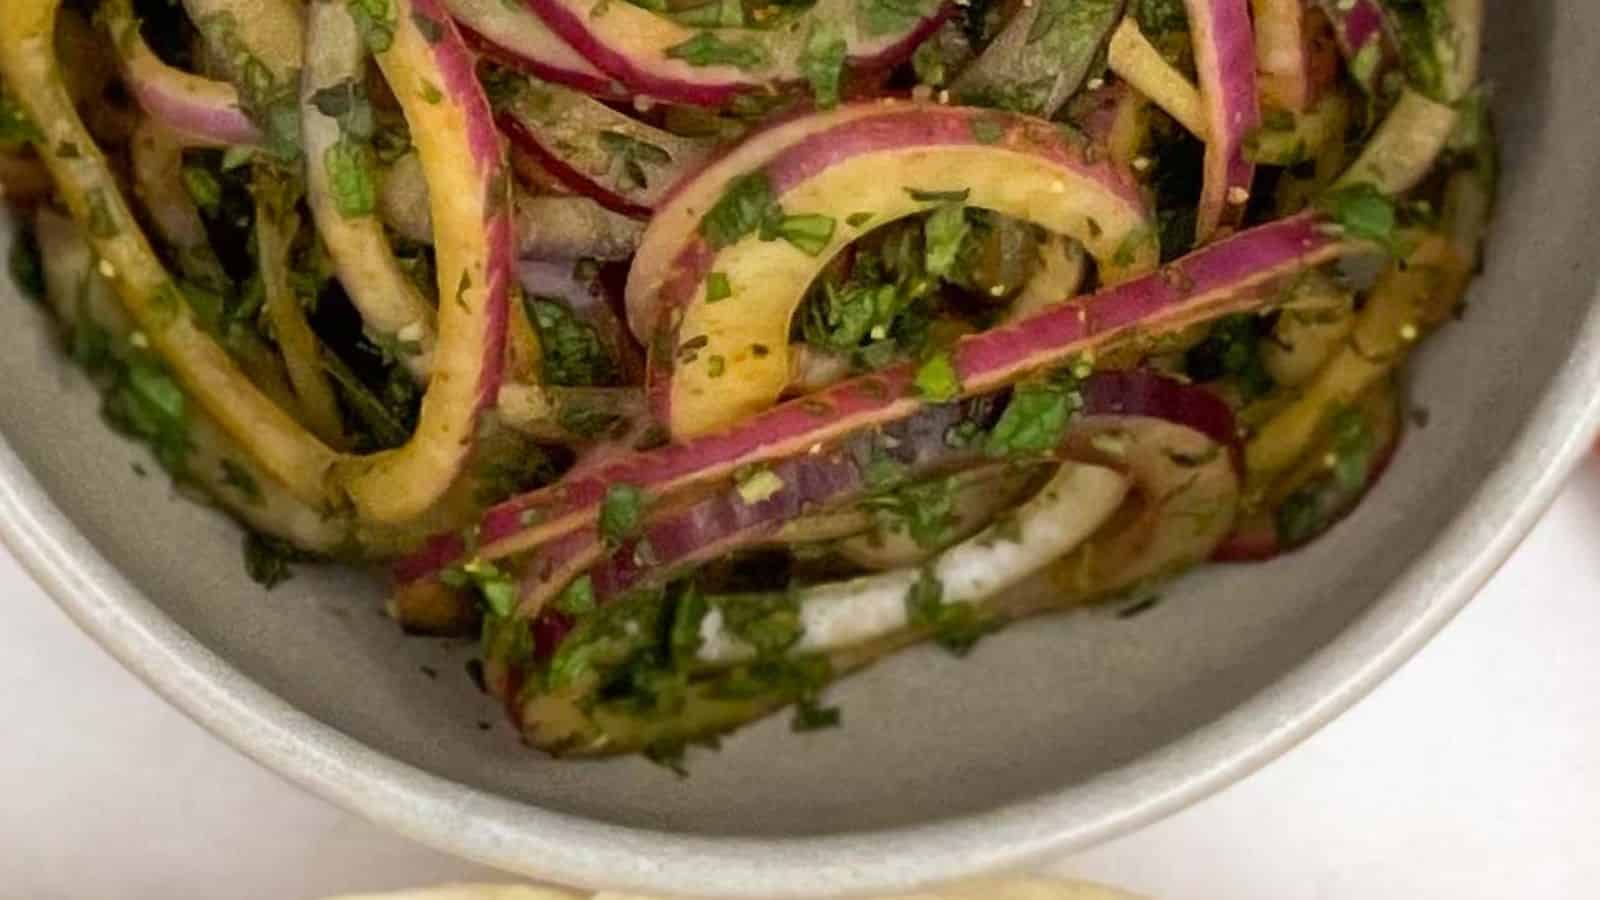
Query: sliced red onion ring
x,y
547,226
624,164
1232,275
646,51
392,312
204,111
1225,57
433,76
508,32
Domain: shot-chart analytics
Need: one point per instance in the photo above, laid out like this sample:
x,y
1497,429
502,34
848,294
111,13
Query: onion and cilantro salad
x,y
696,353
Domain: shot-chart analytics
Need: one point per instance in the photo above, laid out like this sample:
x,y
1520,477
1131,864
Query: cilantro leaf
x,y
1035,419
746,203
707,49
621,513
937,380
822,62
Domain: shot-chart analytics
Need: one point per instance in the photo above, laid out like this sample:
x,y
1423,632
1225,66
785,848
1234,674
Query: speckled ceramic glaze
x,y
1053,736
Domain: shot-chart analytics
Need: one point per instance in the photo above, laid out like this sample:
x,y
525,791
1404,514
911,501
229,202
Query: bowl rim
x,y
521,838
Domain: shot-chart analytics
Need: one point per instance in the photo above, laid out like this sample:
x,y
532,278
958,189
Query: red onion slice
x,y
1225,57
202,110
624,164
508,32
432,74
643,50
392,312
1231,275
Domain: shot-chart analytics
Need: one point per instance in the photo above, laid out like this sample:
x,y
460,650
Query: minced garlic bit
x,y
106,268
1058,187
998,290
1142,163
1330,460
1096,83
944,96
139,340
922,93
410,333
1408,332
1238,196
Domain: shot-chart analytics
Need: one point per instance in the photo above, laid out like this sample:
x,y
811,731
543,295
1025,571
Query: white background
x,y
1473,773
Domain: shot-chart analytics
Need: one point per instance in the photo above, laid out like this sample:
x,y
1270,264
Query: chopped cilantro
x,y
809,716
937,380
621,513
349,165
576,598
944,232
822,62
707,49
858,219
203,188
745,205
939,196
759,485
347,103
634,156
810,234
497,589
16,128
374,21
573,353
717,287
1363,212
954,626
880,17
1035,419
925,511
1232,349
267,559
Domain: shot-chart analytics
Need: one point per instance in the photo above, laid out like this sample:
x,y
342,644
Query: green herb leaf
x,y
203,188
954,626
707,49
577,598
621,513
944,232
573,353
1363,212
988,129
374,21
267,559
936,379
745,204
939,196
822,62
1035,420
634,156
810,234
809,716
717,287
880,17
350,166
496,588
16,128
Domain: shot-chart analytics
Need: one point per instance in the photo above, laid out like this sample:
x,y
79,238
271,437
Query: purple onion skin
x,y
1230,275
1225,55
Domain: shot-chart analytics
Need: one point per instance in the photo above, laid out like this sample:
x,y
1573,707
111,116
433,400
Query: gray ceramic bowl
x,y
1054,736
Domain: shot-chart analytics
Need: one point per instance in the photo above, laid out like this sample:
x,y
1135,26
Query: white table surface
x,y
1473,773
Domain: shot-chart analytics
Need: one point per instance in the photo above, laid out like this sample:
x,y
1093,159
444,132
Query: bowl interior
x,y
1039,708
